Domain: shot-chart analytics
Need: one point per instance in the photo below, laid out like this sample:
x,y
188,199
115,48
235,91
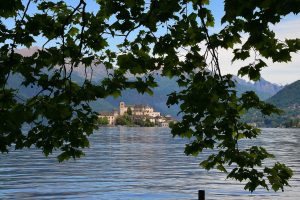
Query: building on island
x,y
110,116
137,112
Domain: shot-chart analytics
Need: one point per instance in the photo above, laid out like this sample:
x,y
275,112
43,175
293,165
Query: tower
x,y
122,108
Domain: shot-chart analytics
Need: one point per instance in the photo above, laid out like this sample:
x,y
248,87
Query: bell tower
x,y
122,108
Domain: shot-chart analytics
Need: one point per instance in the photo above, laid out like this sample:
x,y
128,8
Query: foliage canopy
x,y
103,121
141,38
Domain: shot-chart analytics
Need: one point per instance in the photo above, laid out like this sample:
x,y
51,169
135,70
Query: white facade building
x,y
138,110
143,112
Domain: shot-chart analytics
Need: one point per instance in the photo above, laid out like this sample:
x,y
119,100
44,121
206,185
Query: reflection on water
x,y
136,163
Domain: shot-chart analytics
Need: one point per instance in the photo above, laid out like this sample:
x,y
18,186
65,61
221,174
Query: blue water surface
x,y
138,163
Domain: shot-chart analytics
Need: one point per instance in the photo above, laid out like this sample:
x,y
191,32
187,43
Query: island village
x,y
140,115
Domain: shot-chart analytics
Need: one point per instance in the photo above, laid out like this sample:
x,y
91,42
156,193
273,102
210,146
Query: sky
x,y
284,73
280,73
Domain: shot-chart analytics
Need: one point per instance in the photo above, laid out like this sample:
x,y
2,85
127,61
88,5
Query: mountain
x,y
157,101
289,96
263,88
288,100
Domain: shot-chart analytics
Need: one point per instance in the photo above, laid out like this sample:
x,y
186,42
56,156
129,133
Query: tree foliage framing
x,y
141,37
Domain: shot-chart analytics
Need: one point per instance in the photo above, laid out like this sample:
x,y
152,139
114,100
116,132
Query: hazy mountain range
x,y
263,88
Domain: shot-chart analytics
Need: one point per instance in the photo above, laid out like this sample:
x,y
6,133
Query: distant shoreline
x,y
109,126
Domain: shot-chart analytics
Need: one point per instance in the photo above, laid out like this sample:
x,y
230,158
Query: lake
x,y
137,163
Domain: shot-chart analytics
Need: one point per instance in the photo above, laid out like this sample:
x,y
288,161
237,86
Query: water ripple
x,y
137,163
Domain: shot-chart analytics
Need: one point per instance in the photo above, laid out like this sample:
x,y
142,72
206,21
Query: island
x,y
135,115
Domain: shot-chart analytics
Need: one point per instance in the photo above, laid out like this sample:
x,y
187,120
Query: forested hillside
x,y
288,100
287,97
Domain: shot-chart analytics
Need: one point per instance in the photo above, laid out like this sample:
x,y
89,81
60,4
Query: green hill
x,y
288,97
288,100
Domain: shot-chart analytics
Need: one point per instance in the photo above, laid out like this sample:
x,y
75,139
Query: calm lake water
x,y
137,163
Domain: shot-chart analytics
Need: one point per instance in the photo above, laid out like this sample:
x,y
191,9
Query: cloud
x,y
287,29
281,73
